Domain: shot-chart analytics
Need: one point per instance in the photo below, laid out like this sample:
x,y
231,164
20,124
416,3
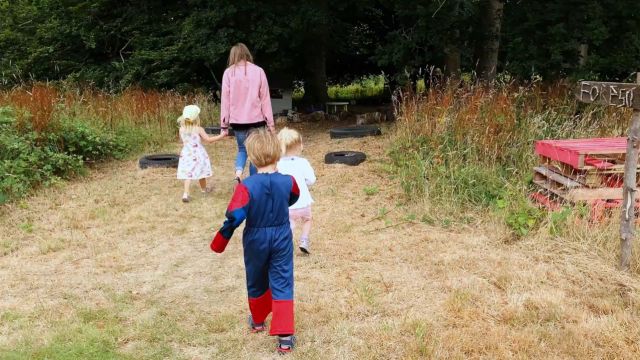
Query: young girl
x,y
292,164
263,200
194,161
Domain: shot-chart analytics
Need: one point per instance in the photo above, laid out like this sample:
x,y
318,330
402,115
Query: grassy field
x,y
51,133
114,266
429,249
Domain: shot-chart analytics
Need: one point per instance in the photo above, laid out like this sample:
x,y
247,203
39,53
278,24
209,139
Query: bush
x,y
29,159
90,143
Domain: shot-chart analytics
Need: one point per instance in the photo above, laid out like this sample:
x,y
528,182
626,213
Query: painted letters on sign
x,y
607,93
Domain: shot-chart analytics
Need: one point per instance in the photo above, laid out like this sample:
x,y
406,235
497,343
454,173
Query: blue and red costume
x,y
263,200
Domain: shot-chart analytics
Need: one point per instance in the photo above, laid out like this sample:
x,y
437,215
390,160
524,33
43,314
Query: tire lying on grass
x,y
215,130
352,158
159,161
355,131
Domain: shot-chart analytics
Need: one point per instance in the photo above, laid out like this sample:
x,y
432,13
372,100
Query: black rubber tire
x,y
215,130
355,132
159,161
351,158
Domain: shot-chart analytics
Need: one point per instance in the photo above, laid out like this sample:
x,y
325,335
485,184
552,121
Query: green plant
x,y
90,143
558,220
371,190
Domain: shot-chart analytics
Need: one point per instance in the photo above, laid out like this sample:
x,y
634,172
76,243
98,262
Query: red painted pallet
x,y
599,209
576,152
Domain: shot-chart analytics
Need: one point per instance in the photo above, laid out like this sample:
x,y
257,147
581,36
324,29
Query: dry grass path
x,y
115,266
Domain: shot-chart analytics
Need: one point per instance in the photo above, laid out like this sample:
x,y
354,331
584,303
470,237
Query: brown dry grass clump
x,y
116,266
155,112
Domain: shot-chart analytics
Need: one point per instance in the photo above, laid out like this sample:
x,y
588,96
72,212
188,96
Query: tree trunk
x,y
628,215
583,54
492,12
452,62
315,80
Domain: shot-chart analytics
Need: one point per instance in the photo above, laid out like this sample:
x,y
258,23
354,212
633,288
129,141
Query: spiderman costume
x,y
263,200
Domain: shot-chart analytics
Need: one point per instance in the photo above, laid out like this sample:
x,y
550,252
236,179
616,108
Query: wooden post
x,y
628,194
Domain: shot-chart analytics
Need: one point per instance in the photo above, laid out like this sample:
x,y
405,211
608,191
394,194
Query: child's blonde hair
x,y
190,118
263,148
289,139
239,52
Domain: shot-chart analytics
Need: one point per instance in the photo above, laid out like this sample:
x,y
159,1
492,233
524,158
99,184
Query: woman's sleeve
x,y
236,213
225,104
265,100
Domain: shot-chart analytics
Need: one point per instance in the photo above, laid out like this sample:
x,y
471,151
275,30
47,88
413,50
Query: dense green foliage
x,y
184,45
29,158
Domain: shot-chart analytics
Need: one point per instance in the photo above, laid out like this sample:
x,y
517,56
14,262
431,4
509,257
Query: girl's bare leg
x,y
304,237
306,228
187,184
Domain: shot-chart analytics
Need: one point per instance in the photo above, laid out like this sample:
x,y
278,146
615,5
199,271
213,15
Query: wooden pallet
x,y
588,177
605,154
570,190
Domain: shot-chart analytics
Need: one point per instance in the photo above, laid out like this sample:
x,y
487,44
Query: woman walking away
x,y
245,104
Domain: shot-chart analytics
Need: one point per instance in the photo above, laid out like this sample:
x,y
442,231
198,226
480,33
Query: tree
x,y
491,23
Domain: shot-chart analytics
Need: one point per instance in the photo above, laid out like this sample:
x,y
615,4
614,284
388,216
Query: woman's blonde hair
x,y
263,148
289,139
239,52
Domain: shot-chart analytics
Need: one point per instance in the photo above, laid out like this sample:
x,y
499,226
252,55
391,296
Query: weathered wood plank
x,y
609,93
551,175
580,194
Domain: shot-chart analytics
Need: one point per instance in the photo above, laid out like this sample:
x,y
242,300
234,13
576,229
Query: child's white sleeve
x,y
309,175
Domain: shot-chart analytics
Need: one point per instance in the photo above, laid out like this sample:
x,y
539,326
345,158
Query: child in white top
x,y
194,161
292,164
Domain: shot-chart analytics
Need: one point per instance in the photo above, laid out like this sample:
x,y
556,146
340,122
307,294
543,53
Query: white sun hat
x,y
190,112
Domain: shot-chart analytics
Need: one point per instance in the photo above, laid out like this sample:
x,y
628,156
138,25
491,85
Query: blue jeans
x,y
241,158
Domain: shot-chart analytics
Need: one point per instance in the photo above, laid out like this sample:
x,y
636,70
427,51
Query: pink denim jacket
x,y
245,96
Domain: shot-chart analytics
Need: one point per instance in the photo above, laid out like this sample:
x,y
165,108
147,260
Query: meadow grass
x,y
114,266
48,133
369,87
467,149
149,115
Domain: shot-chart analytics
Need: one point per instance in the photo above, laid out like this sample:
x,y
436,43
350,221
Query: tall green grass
x,y
471,148
369,87
48,133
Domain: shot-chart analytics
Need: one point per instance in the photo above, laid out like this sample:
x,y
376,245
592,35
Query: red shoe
x,y
286,344
256,328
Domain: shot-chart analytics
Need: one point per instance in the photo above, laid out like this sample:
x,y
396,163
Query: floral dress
x,y
194,161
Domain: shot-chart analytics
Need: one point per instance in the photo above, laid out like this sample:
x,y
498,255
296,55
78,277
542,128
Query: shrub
x,y
90,143
29,159
26,160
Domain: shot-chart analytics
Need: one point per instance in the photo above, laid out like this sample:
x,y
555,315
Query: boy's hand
x,y
219,243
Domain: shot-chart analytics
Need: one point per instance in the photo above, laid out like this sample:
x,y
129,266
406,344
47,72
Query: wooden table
x,y
335,104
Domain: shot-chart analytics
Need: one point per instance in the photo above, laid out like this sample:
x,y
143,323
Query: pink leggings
x,y
302,215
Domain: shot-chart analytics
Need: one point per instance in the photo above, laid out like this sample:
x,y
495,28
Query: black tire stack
x,y
351,158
